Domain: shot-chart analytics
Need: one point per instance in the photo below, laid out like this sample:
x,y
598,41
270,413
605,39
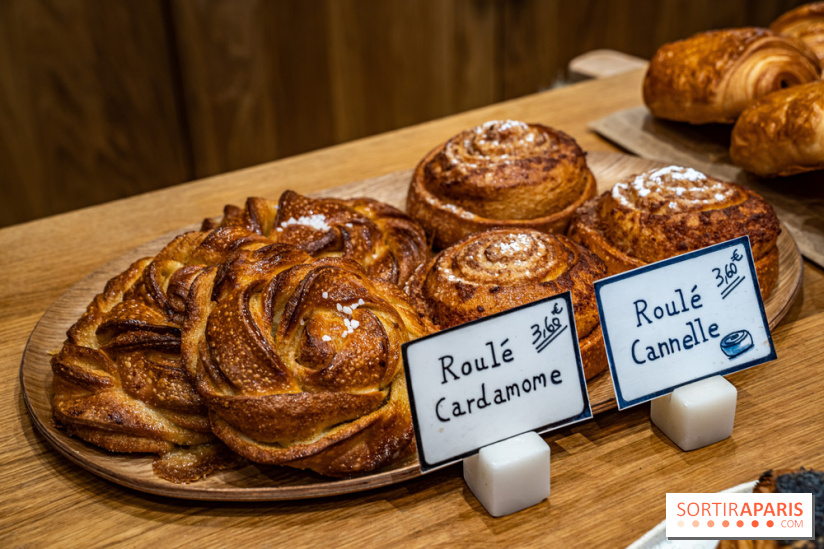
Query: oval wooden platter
x,y
265,483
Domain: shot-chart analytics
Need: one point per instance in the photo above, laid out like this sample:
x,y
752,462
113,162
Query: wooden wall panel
x,y
88,107
256,80
399,63
103,99
264,80
541,37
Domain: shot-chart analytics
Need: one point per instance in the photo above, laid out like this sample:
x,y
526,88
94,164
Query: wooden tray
x,y
264,483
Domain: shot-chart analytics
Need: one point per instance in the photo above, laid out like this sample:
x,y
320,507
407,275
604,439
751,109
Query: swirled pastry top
x,y
669,211
299,360
712,76
378,236
781,133
501,173
496,270
118,382
805,23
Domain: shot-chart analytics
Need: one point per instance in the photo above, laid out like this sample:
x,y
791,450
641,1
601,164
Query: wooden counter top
x,y
609,475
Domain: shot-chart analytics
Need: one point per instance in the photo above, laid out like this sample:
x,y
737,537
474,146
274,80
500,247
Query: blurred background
x,y
102,99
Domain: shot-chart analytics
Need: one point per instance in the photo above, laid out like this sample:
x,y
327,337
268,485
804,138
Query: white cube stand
x,y
510,475
698,414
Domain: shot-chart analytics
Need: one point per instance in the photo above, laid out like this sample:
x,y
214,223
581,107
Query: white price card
x,y
493,378
686,318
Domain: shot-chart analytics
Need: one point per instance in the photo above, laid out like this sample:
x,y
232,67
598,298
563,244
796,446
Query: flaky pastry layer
x,y
499,174
712,76
496,270
669,211
782,133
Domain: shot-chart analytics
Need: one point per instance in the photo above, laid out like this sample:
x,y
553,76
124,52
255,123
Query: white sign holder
x,y
672,329
505,377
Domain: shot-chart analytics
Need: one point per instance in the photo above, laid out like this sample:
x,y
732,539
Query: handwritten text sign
x,y
683,319
494,378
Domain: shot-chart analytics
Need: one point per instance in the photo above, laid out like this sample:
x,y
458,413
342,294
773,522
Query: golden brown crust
x,y
712,76
670,211
299,360
496,270
805,23
499,174
378,236
118,381
122,389
781,133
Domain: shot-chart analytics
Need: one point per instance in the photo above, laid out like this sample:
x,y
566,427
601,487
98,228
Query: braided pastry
x,y
493,271
118,382
673,210
712,76
499,174
781,133
299,362
378,236
805,23
124,350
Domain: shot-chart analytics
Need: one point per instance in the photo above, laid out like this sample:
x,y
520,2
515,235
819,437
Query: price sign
x,y
683,319
494,378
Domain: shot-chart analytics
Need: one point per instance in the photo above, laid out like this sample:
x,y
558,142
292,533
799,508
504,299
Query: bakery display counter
x,y
609,474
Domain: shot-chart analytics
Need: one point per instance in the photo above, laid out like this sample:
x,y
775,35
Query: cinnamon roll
x,y
496,270
712,76
805,23
499,174
673,210
299,361
781,133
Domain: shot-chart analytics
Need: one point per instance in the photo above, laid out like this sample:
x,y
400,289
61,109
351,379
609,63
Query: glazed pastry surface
x,y
499,174
118,380
673,210
378,236
496,270
805,23
712,76
298,360
782,133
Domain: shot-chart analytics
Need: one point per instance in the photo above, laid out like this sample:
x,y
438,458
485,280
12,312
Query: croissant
x,y
673,210
299,361
805,23
781,133
496,270
712,76
499,174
